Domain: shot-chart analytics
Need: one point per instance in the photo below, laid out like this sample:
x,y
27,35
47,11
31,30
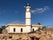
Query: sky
x,y
13,11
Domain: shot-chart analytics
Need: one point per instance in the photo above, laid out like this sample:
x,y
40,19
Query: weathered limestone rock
x,y
43,38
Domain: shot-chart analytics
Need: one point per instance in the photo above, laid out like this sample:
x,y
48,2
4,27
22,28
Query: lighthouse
x,y
28,17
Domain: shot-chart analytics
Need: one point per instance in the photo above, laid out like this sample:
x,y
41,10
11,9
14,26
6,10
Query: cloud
x,y
40,10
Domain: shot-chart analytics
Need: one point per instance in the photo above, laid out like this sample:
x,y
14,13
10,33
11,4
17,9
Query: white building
x,y
23,28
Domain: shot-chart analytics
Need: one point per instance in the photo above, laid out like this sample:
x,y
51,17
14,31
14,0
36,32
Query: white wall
x,y
28,21
28,18
28,15
35,28
18,29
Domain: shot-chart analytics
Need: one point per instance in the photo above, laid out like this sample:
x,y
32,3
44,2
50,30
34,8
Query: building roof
x,y
23,25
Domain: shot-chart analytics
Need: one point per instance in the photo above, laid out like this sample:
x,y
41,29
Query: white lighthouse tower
x,y
28,17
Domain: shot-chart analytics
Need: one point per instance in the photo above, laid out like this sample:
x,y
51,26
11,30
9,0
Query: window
x,y
21,30
14,29
33,30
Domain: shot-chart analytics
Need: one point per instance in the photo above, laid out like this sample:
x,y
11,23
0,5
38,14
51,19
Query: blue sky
x,y
13,11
